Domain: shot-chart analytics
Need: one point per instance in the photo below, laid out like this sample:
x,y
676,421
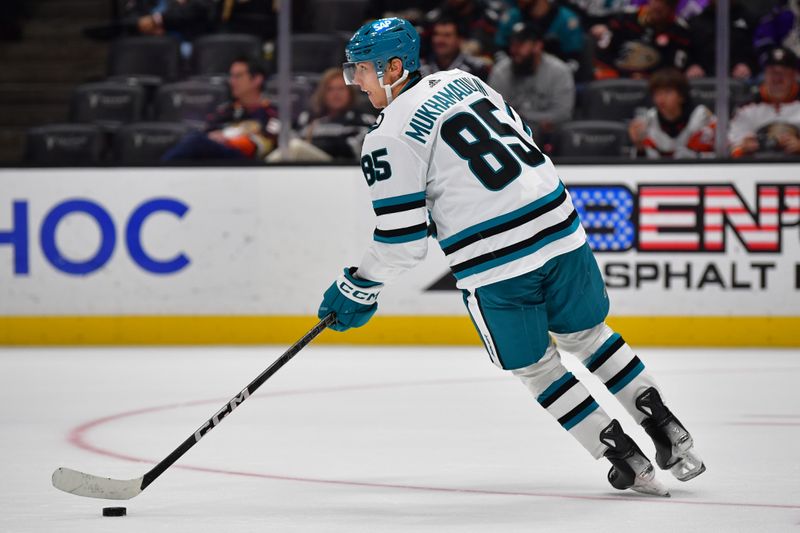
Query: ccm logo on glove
x,y
356,294
354,300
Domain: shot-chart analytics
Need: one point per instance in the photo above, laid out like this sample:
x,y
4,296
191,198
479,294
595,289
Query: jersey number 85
x,y
374,168
494,163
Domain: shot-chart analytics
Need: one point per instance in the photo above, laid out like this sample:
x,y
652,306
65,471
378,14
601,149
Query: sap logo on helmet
x,y
382,24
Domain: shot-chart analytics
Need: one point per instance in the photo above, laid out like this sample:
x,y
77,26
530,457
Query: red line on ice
x,y
78,437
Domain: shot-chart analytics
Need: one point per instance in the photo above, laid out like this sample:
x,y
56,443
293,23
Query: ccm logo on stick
x,y
18,236
222,413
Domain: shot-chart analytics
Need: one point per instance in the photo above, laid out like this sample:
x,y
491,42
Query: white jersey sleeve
x,y
395,174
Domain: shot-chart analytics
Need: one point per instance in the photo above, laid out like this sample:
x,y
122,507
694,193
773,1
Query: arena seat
x,y
64,144
188,101
704,91
108,104
313,52
146,142
337,15
215,79
146,55
591,138
213,54
299,92
616,99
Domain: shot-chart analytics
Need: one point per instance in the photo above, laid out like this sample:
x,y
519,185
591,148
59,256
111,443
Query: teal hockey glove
x,y
353,300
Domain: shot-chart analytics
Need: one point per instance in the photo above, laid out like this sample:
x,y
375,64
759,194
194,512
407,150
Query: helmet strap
x,y
388,88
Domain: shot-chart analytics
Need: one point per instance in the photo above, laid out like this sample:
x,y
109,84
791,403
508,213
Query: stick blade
x,y
89,486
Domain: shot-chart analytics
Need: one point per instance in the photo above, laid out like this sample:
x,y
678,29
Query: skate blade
x,y
652,487
689,467
647,483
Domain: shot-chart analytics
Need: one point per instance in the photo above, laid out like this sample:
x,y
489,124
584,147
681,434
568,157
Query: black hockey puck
x,y
114,511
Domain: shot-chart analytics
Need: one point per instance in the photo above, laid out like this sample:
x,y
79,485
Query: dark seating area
x,y
159,68
107,104
145,56
188,101
69,144
146,142
592,138
213,54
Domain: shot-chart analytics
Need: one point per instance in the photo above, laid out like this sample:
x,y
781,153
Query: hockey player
x,y
449,145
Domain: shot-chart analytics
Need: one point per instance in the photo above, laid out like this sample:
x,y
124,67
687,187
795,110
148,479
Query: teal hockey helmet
x,y
380,41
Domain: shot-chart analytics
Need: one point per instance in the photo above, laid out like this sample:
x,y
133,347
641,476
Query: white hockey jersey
x,y
764,119
449,148
696,137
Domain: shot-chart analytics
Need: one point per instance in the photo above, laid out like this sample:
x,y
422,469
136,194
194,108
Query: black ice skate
x,y
630,468
674,445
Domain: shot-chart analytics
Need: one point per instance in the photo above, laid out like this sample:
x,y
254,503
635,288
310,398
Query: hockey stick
x,y
91,486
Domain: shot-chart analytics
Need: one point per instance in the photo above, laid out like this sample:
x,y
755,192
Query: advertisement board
x,y
697,254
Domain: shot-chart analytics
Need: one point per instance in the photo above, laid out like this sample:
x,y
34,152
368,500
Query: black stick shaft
x,y
226,409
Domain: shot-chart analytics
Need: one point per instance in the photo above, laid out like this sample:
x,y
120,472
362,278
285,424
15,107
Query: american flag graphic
x,y
669,218
686,217
759,231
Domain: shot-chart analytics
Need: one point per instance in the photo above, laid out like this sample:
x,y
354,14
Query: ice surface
x,y
353,439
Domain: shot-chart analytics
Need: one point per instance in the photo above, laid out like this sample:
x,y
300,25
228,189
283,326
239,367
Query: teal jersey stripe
x,y
502,219
577,419
397,200
572,228
600,351
402,238
635,371
553,387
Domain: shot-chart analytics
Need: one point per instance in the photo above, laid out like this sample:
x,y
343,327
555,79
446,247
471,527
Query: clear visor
x,y
349,71
367,68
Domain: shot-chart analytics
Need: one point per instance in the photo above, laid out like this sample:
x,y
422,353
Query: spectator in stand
x,y
597,11
539,86
333,124
188,19
763,8
703,29
771,124
594,12
685,9
640,42
477,21
185,18
446,51
779,27
674,128
245,128
560,26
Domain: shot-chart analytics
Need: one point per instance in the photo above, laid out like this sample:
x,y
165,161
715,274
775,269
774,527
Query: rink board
x,y
692,255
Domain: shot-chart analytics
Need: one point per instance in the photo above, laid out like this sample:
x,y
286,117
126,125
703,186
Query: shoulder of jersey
x,y
395,116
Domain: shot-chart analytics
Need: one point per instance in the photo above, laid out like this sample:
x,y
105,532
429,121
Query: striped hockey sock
x,y
566,399
606,355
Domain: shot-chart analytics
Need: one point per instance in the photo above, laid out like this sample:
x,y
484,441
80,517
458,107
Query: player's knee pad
x,y
538,376
584,343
